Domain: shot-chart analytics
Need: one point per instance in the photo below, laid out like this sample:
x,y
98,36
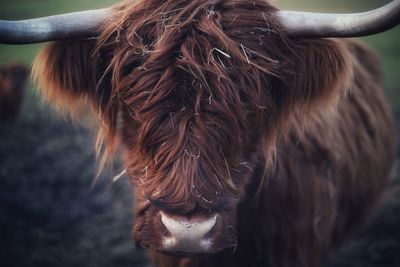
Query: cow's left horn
x,y
77,25
305,24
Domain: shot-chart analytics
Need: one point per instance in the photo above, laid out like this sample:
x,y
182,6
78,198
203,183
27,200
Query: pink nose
x,y
188,235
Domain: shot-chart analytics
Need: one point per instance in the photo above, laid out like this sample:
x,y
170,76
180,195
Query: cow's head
x,y
12,84
198,93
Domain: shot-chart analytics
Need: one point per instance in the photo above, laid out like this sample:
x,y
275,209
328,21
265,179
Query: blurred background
x,y
51,214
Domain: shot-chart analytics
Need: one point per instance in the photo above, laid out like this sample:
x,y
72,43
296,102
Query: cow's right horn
x,y
77,25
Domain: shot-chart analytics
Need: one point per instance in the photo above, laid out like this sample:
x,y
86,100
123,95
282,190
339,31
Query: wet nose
x,y
188,235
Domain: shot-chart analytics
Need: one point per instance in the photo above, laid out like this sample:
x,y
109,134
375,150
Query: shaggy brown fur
x,y
214,103
12,83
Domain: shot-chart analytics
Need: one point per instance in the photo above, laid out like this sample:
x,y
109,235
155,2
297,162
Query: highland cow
x,y
247,146
12,84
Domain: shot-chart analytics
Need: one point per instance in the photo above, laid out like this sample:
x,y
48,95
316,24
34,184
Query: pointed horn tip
x,y
320,25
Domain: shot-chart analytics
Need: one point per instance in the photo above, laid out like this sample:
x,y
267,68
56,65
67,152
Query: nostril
x,y
188,234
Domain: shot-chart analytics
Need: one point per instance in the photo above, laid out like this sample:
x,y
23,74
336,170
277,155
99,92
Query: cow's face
x,y
194,108
198,93
190,151
186,194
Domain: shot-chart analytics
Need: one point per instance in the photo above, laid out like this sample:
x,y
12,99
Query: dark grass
x,y
50,215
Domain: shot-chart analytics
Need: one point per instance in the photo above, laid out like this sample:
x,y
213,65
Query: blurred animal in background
x,y
12,85
247,143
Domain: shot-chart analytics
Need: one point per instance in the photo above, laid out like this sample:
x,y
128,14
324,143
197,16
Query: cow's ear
x,y
68,73
317,74
65,73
